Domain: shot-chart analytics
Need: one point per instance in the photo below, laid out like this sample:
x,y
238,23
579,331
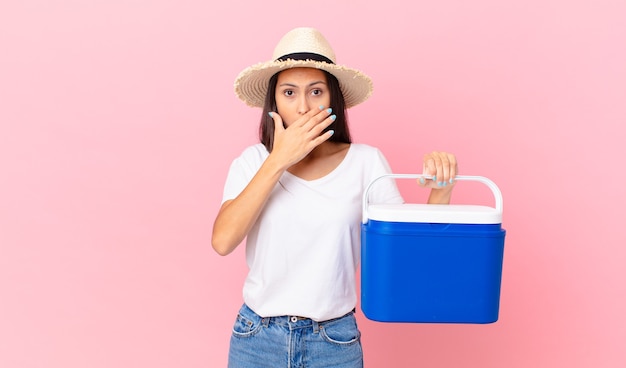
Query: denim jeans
x,y
292,342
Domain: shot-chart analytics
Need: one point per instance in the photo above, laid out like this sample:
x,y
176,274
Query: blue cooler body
x,y
432,263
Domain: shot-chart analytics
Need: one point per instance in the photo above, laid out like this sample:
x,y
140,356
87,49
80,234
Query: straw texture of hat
x,y
301,47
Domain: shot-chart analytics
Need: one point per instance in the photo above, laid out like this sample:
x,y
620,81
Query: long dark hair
x,y
337,102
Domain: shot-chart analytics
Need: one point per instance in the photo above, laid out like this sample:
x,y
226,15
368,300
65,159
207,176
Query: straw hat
x,y
301,47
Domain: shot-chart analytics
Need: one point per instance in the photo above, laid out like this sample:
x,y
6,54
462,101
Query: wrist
x,y
440,195
275,164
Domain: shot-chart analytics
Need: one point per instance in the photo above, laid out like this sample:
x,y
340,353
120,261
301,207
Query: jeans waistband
x,y
300,320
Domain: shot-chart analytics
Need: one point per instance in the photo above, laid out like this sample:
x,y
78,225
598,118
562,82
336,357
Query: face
x,y
299,90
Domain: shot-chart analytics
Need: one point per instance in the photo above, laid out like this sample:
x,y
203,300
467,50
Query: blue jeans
x,y
293,342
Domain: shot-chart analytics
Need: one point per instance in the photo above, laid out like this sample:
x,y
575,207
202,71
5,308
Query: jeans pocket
x,y
246,326
343,331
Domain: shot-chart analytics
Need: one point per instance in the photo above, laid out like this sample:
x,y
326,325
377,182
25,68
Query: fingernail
x,y
333,117
329,110
422,181
271,114
440,184
331,132
321,107
451,181
445,183
434,178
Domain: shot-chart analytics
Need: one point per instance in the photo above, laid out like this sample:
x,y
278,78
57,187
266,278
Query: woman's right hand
x,y
293,143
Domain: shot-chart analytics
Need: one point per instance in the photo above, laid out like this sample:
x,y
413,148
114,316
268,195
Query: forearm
x,y
237,216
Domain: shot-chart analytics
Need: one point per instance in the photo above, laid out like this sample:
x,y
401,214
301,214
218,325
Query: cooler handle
x,y
494,188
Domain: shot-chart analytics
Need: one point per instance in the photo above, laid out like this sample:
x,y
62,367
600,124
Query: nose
x,y
303,105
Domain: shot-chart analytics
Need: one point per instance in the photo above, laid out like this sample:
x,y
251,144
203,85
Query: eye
x,y
288,93
316,92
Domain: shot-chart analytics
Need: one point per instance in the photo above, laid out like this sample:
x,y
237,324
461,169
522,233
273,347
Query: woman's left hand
x,y
442,166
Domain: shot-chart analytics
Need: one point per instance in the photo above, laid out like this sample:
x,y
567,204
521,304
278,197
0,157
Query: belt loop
x,y
316,327
265,321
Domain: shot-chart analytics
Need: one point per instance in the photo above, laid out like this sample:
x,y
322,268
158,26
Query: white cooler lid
x,y
434,213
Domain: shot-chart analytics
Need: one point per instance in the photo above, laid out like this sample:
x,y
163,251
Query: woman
x,y
296,198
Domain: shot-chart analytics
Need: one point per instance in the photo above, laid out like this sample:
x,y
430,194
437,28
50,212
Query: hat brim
x,y
252,83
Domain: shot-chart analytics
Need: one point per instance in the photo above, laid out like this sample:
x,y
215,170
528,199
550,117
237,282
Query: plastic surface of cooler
x,y
432,263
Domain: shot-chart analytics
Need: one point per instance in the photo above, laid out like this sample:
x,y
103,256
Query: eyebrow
x,y
296,86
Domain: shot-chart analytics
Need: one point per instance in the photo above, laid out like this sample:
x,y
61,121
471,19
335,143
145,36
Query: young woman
x,y
296,198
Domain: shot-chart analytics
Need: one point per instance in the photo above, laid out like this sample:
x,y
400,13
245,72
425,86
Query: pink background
x,y
118,123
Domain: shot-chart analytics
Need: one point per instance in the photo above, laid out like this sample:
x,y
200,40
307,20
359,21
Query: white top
x,y
304,249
